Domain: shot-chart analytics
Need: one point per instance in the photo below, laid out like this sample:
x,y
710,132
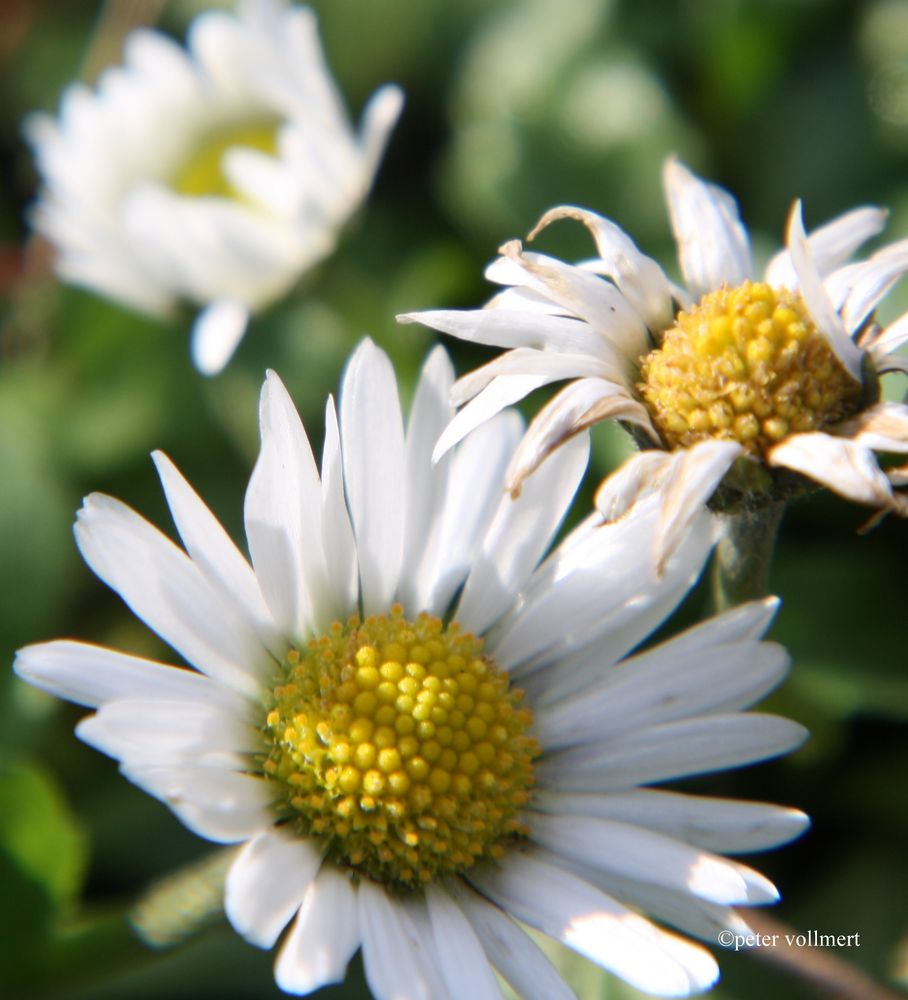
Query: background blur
x,y
512,107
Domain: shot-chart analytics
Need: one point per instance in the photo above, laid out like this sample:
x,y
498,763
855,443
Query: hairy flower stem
x,y
740,569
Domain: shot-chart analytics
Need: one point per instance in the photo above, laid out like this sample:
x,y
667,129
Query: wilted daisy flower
x,y
213,175
353,719
783,370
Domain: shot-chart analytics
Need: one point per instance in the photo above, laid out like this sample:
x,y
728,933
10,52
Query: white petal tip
x,y
217,332
387,103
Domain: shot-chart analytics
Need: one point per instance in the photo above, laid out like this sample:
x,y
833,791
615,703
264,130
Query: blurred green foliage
x,y
512,107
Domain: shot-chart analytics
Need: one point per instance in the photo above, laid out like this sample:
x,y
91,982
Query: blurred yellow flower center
x,y
745,364
400,747
202,174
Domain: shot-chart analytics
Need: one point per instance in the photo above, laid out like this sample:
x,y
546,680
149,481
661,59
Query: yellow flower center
x,y
202,174
745,364
400,747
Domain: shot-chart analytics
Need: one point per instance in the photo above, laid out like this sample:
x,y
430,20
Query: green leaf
x,y
39,835
42,861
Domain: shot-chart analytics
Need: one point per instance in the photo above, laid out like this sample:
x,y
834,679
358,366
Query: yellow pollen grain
x,y
400,747
746,364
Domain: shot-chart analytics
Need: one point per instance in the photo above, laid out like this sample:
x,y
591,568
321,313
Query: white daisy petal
x,y
507,328
426,482
874,280
519,298
893,363
746,621
379,118
831,245
689,477
262,180
266,884
671,750
890,340
518,537
606,596
341,573
163,587
713,247
416,911
392,953
500,393
646,856
511,951
324,936
634,479
580,293
475,492
640,279
678,909
283,513
212,550
577,407
691,482
711,823
815,296
662,685
882,427
372,441
169,732
846,467
838,285
585,919
216,334
464,966
223,806
91,675
529,361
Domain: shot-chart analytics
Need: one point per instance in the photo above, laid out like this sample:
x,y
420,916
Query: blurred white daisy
x,y
783,371
214,175
351,718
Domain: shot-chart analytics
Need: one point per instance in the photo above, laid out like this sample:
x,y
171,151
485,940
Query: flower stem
x,y
740,570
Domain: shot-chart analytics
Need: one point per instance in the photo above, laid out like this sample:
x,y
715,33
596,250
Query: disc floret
x,y
745,364
400,747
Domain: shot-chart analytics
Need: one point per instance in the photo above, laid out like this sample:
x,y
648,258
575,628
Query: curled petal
x,y
686,478
883,427
843,466
577,407
640,279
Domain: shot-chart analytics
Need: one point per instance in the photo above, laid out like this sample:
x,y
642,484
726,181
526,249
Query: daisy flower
x,y
214,175
777,375
353,720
